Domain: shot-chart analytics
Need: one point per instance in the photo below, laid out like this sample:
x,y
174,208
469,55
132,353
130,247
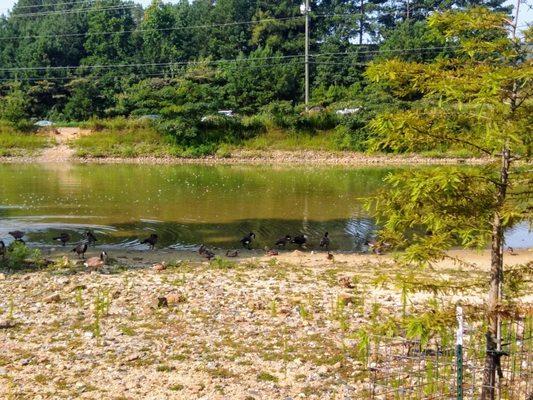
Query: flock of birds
x,y
90,239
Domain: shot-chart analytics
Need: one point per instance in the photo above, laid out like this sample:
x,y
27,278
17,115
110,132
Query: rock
x,y
133,357
6,324
171,299
347,282
54,298
3,371
2,277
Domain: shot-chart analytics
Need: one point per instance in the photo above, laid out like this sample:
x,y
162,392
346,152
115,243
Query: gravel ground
x,y
255,328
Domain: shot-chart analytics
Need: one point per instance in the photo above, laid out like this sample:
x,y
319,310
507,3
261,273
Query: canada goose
x,y
91,239
247,240
18,235
205,252
324,242
282,242
160,266
232,253
95,263
151,241
300,240
2,249
63,238
80,250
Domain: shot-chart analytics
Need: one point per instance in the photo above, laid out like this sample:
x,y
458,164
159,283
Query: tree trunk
x,y
496,281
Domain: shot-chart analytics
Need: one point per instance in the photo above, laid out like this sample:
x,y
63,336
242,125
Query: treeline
x,y
77,60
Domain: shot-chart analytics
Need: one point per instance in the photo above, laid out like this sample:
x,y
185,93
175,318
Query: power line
x,y
59,4
75,11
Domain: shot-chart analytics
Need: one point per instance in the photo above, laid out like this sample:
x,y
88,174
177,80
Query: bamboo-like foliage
x,y
478,98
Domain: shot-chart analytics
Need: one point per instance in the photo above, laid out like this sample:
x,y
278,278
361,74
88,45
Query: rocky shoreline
x,y
265,157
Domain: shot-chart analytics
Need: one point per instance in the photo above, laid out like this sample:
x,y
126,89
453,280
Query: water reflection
x,y
190,204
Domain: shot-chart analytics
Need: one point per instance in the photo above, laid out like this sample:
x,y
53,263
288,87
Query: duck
x,y
232,253
91,239
2,249
151,241
95,263
17,235
330,256
300,240
282,242
324,242
80,250
247,240
63,238
160,266
205,252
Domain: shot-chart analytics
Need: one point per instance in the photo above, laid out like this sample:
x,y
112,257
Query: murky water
x,y
187,205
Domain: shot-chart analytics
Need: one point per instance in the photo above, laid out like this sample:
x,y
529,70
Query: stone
x,y
347,298
53,298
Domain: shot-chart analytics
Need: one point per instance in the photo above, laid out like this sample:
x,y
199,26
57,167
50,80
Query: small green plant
x,y
273,308
79,297
10,308
102,302
223,264
21,256
266,377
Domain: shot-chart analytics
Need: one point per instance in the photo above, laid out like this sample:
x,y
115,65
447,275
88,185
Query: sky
x,y
526,8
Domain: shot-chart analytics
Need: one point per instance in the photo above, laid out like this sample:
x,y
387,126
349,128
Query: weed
x,y
266,377
223,264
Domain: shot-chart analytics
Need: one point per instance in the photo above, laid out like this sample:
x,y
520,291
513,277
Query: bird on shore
x,y
91,239
17,235
151,241
324,242
330,256
80,250
282,242
247,240
232,253
2,249
377,246
206,253
95,263
300,240
63,238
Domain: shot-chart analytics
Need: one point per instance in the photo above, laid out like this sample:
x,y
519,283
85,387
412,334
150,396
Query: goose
x,y
63,238
232,253
2,249
95,263
151,241
282,242
205,252
324,242
247,240
18,235
160,266
80,250
300,240
91,239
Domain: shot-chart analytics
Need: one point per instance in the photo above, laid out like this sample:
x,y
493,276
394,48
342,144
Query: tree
x,y
14,107
480,100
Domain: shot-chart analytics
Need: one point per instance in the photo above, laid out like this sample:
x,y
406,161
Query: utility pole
x,y
304,9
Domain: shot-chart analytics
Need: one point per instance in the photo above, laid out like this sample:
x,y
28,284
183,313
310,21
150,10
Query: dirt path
x,y
60,151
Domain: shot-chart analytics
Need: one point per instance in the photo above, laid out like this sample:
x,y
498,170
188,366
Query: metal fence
x,y
441,369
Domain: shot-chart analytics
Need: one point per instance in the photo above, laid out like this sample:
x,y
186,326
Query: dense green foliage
x,y
73,61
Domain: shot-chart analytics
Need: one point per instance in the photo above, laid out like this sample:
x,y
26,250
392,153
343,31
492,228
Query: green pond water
x,y
187,205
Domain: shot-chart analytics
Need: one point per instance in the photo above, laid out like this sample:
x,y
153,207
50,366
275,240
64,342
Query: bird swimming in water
x,y
151,241
95,263
300,240
206,253
2,249
63,238
324,242
18,235
282,242
89,236
80,250
232,253
247,240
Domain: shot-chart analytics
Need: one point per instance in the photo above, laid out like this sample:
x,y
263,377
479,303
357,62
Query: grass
x,y
14,143
278,139
266,377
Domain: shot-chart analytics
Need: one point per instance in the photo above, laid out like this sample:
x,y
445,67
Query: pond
x,y
187,205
